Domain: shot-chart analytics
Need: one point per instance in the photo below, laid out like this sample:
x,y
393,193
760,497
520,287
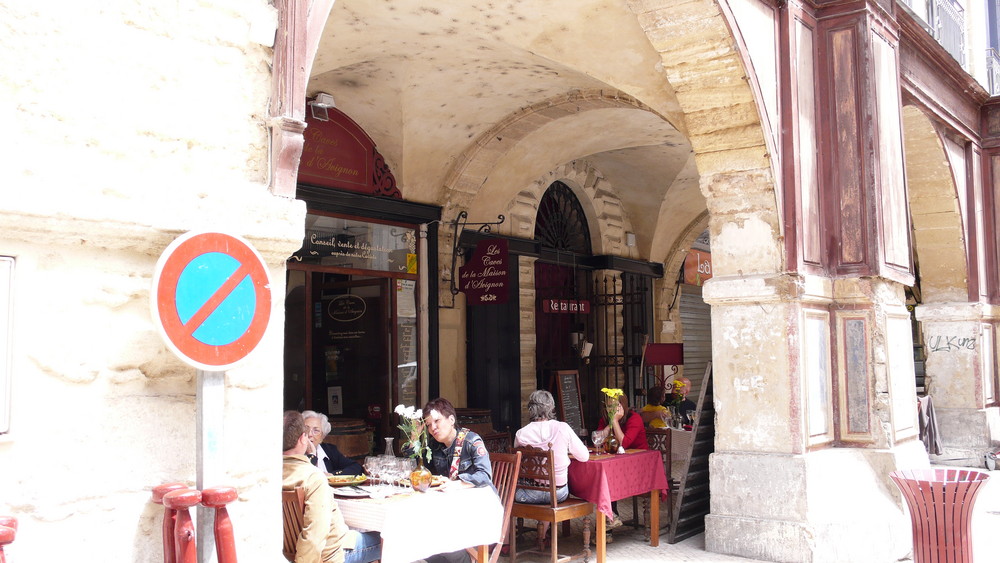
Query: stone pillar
x,y
815,406
526,291
959,341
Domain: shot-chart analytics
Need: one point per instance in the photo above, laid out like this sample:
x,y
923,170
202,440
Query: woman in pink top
x,y
542,431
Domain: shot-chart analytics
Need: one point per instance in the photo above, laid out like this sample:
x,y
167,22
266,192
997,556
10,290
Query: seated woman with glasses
x,y
326,456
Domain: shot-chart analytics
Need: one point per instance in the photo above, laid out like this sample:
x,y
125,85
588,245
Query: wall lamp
x,y
320,104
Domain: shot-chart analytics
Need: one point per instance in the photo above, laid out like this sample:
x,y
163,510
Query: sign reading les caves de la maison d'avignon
x,y
483,278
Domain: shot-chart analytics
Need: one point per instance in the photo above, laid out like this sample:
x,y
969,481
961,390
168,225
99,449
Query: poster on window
x,y
336,403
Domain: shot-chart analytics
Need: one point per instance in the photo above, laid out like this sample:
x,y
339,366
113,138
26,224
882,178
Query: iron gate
x,y
622,319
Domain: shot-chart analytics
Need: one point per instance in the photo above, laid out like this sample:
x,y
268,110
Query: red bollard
x,y
184,537
8,529
218,498
169,520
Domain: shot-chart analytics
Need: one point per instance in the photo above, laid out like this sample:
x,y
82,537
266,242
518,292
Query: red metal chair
x,y
169,519
218,498
181,501
8,529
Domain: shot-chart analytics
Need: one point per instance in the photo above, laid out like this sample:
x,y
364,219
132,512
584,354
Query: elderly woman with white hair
x,y
543,430
327,457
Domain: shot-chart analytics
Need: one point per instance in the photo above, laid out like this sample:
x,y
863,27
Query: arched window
x,y
560,223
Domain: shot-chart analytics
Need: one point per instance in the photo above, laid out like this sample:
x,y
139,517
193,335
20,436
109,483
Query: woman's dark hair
x,y
655,395
441,405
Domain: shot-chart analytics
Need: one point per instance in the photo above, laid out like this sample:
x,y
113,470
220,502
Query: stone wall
x,y
129,123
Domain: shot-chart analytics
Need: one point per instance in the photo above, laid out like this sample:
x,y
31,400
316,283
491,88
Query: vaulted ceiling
x,y
427,79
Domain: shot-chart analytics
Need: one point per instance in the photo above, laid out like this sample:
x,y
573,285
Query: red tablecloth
x,y
613,477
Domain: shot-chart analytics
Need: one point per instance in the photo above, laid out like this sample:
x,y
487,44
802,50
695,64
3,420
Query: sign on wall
x,y
211,299
697,267
337,153
581,306
483,278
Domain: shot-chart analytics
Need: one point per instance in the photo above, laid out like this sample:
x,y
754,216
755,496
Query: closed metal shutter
x,y
696,323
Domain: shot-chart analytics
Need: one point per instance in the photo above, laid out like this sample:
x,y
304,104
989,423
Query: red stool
x,y
8,529
169,519
218,498
184,537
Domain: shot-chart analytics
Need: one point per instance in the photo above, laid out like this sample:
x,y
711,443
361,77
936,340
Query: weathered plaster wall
x,y
127,124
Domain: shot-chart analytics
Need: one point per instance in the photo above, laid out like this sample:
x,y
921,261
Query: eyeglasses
x,y
311,431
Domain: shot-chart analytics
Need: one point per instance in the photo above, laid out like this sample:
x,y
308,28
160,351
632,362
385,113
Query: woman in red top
x,y
627,426
631,433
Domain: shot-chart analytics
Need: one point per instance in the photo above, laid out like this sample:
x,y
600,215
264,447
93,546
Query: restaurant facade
x,y
468,200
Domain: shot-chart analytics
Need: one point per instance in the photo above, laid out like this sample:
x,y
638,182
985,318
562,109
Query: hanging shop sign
x,y
211,299
566,306
697,267
483,278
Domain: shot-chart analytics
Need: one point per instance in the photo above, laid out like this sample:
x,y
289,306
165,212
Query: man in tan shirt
x,y
325,537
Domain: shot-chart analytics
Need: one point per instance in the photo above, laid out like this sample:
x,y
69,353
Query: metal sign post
x,y
211,300
211,405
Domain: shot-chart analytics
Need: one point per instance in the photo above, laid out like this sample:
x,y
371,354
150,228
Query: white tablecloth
x,y
416,525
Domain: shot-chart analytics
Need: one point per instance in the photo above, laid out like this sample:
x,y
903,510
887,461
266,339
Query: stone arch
x,y
935,211
705,67
473,166
666,289
604,210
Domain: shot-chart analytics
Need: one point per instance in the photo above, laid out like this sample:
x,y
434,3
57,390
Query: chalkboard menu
x,y
567,394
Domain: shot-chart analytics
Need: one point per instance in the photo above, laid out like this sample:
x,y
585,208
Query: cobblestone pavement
x,y
629,545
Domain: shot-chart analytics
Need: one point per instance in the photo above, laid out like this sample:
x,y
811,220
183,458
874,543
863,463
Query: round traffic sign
x,y
211,299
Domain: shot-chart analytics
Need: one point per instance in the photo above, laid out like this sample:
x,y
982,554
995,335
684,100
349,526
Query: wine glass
x,y
372,467
393,473
406,466
597,436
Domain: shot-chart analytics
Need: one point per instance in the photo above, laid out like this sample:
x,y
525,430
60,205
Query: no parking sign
x,y
211,299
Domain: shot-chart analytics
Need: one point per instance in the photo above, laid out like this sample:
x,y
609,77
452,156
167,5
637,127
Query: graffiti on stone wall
x,y
754,382
951,343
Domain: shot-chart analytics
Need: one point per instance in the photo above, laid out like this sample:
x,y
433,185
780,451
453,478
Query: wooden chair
x,y
660,439
293,505
537,470
506,468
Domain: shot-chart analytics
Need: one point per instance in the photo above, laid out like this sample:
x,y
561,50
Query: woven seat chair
x,y
537,471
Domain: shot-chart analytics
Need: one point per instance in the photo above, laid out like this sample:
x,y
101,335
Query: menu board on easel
x,y
566,384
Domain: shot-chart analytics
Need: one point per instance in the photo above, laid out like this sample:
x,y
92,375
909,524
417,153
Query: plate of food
x,y
346,480
436,481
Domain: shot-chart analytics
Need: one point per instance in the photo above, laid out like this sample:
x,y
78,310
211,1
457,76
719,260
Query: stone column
x,y
814,400
959,347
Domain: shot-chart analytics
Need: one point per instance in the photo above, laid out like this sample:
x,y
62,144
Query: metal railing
x,y
944,20
993,71
949,26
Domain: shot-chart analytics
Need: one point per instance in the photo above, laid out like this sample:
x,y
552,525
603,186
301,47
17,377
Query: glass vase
x,y
611,444
388,448
420,478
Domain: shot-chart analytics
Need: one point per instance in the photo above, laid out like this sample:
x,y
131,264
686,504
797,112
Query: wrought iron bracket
x,y
460,223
